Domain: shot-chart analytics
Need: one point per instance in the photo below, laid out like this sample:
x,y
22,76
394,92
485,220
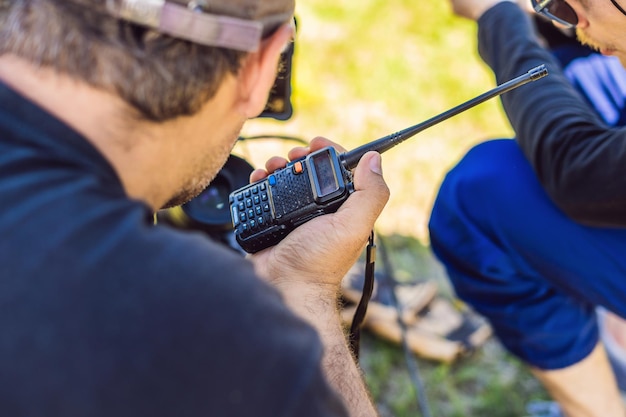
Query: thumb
x,y
370,191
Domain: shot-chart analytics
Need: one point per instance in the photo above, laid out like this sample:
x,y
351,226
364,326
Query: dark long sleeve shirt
x,y
105,314
579,160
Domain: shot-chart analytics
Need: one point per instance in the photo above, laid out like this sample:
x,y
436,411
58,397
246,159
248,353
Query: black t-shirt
x,y
104,314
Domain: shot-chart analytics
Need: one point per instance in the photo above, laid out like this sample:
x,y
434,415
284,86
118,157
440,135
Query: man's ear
x,y
259,69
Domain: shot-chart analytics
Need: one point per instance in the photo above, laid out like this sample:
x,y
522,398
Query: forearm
x,y
307,267
576,157
319,307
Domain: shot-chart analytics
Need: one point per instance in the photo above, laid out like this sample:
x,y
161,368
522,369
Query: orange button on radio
x,y
297,168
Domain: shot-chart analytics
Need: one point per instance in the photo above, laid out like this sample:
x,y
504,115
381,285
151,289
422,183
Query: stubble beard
x,y
586,40
595,45
189,191
203,172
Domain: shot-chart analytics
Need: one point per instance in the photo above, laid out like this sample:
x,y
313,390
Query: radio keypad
x,y
253,208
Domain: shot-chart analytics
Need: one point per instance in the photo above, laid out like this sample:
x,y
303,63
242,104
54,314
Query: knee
x,y
481,182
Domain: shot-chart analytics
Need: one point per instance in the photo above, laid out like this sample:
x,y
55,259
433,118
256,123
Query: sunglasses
x,y
560,11
557,10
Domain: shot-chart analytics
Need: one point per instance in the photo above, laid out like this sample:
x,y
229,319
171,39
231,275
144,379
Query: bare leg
x,y
616,327
585,389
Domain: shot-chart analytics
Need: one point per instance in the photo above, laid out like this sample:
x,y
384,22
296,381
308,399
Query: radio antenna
x,y
351,158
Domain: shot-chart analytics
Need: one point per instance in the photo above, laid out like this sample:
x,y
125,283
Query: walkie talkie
x,y
266,211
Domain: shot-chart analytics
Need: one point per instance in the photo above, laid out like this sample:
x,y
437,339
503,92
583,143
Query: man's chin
x,y
586,40
181,198
174,202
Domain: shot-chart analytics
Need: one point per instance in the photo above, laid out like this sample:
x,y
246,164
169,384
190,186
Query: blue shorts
x,y
518,260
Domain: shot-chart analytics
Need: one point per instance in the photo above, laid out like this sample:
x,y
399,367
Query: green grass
x,y
484,384
363,70
488,382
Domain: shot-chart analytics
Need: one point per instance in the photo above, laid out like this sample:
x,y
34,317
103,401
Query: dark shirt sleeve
x,y
576,156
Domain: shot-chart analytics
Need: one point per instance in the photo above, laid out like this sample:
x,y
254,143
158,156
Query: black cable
x,y
418,385
282,137
270,136
354,337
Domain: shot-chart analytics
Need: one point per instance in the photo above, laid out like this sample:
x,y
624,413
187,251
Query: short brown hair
x,y
162,77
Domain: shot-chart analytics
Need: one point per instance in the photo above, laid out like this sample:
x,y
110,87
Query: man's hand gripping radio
x,y
266,211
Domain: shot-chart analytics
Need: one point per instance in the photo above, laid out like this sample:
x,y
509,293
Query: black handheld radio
x,y
266,211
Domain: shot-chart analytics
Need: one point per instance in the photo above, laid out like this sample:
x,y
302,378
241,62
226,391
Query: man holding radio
x,y
109,111
531,231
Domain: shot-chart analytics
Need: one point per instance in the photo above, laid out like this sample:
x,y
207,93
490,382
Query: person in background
x,y
601,81
109,111
531,230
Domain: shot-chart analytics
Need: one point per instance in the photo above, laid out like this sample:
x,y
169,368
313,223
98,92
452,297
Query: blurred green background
x,y
363,70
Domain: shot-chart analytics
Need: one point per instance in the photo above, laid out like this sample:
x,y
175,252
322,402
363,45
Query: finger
x,y
258,174
321,142
315,145
277,162
298,152
274,163
369,198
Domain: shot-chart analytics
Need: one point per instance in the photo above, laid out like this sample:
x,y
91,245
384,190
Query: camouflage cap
x,y
232,24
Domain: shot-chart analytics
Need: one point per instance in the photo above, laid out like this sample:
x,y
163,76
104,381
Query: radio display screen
x,y
325,174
